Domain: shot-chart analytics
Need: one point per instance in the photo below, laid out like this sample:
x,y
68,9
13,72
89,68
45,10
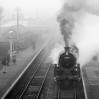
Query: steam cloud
x,y
79,23
55,52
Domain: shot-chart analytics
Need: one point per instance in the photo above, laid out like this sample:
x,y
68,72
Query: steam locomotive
x,y
67,71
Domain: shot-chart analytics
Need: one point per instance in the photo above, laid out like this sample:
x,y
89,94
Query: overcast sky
x,y
31,8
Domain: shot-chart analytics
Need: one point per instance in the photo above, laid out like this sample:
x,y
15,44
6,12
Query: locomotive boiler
x,y
67,71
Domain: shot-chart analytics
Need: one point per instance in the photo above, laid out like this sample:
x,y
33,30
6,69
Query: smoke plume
x,y
79,24
55,52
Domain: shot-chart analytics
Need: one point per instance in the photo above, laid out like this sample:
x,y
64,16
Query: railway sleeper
x,y
33,88
41,73
32,92
40,77
31,96
37,81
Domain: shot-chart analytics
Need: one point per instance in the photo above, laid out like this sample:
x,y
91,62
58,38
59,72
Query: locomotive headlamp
x,y
66,53
56,65
76,65
76,69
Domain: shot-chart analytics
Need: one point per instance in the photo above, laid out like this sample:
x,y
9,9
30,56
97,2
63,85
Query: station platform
x,y
92,72
13,71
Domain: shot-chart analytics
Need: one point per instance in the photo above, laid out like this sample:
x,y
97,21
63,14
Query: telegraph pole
x,y
17,27
0,26
1,10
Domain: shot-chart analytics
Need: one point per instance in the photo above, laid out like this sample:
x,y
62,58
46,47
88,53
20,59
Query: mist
x,y
86,37
83,15
55,52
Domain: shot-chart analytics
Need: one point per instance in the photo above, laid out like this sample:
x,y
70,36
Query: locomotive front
x,y
67,69
67,60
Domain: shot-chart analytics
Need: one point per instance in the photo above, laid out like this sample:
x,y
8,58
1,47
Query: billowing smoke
x,y
55,52
67,17
86,37
79,23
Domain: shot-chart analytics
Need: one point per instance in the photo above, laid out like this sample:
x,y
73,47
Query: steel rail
x,y
43,82
60,97
58,94
30,82
33,73
72,91
30,79
85,93
6,93
75,93
87,86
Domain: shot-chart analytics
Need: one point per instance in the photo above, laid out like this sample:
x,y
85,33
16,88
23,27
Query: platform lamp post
x,y
10,33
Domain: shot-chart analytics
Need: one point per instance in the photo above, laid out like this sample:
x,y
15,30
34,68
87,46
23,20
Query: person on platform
x,y
8,59
14,58
4,63
33,45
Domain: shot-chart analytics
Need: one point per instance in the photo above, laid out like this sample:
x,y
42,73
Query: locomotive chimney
x,y
67,49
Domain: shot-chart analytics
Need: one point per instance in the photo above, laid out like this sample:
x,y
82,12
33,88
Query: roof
x,y
14,22
21,29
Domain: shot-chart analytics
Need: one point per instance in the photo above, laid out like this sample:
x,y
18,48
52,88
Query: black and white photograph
x,y
49,49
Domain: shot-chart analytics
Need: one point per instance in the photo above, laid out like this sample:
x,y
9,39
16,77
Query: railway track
x,y
76,92
52,91
32,78
35,85
69,93
49,87
66,94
